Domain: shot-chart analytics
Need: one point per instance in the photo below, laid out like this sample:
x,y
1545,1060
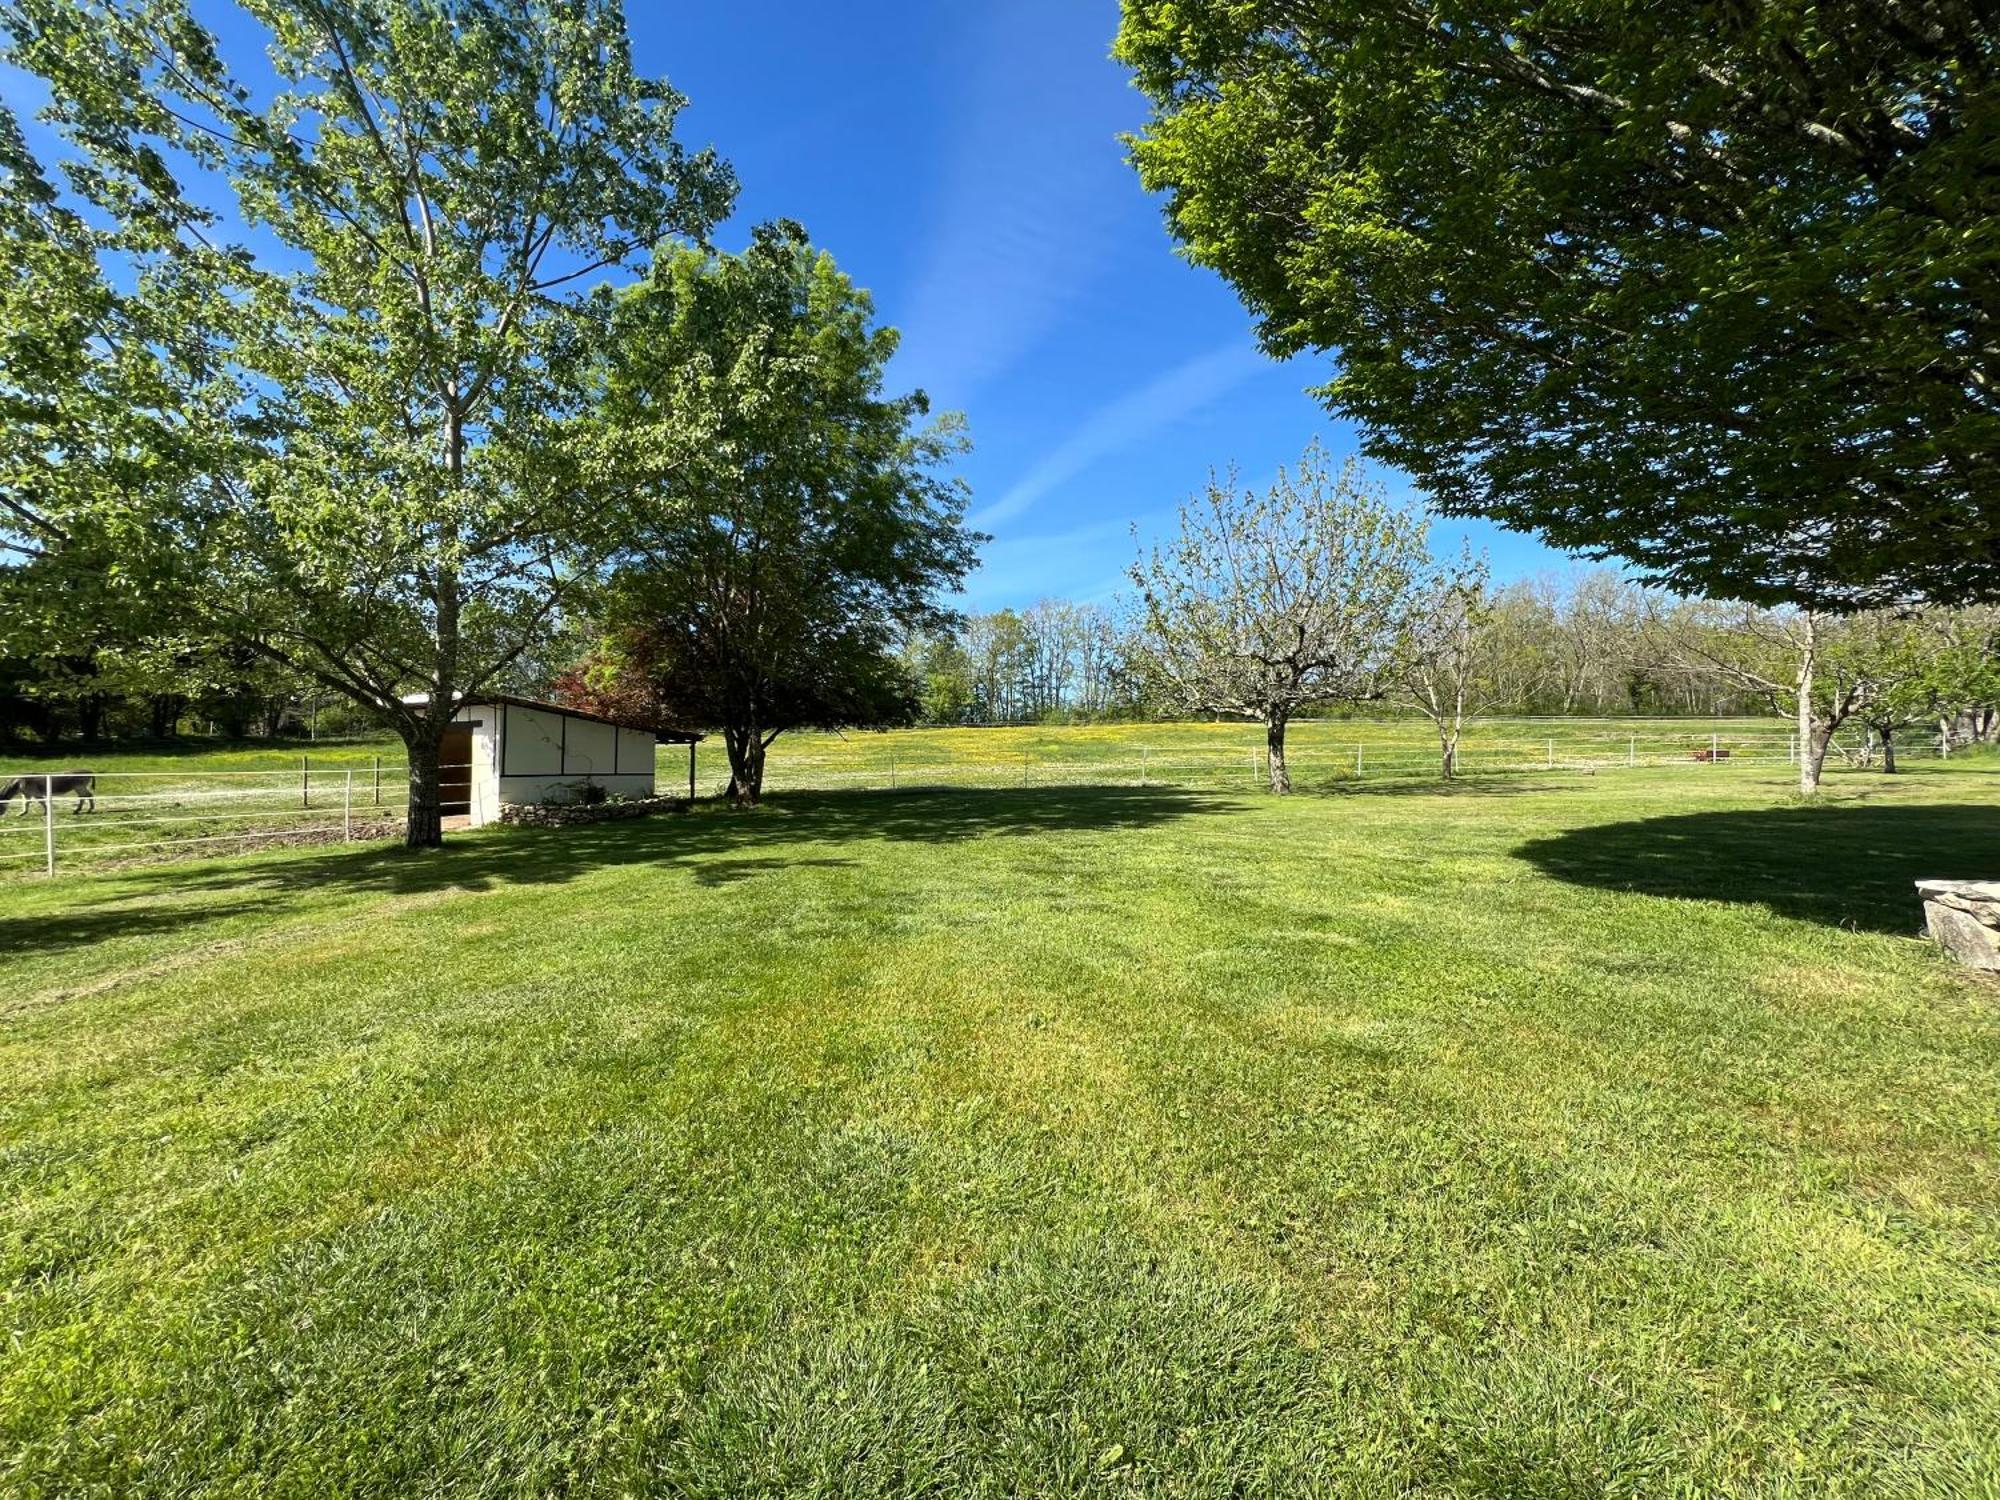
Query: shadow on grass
x,y
77,927
734,871
1430,784
718,846
1846,866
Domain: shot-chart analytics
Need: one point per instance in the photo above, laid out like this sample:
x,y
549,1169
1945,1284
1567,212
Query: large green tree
x,y
102,429
1714,287
410,483
773,566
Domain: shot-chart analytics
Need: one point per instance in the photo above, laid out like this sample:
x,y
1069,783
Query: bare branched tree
x,y
1822,669
1449,673
1264,603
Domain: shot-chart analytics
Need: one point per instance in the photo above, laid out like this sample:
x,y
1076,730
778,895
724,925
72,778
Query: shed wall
x,y
532,756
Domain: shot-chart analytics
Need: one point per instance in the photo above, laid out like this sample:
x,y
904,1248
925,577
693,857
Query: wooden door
x,y
455,771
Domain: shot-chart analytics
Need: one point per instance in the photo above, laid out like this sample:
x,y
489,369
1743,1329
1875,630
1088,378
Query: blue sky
x,y
962,162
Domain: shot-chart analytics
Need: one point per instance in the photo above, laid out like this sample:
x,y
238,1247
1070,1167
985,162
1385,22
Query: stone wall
x,y
561,815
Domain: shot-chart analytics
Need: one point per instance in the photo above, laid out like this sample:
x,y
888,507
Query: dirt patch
x,y
221,846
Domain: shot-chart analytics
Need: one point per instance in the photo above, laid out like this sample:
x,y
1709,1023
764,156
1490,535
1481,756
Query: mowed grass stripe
x,y
1018,1142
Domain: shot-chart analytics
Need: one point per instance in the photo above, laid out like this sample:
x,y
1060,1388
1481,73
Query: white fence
x,y
1317,762
147,815
137,815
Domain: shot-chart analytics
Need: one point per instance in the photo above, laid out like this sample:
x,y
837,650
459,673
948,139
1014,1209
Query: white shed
x,y
501,749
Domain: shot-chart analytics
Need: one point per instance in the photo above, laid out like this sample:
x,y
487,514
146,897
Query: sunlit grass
x,y
1320,751
1546,1136
205,798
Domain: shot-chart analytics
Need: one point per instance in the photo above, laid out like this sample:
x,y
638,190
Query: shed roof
x,y
669,736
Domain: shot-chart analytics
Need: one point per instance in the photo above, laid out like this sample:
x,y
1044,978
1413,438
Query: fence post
x,y
378,781
1714,744
1791,749
892,770
1357,760
1552,754
1632,750
347,809
1144,755
49,822
305,781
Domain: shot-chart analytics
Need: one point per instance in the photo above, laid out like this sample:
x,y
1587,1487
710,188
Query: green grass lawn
x,y
205,797
1555,1135
1321,752
202,798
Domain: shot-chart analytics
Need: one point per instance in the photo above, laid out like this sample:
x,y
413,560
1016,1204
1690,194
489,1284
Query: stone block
x,y
1963,918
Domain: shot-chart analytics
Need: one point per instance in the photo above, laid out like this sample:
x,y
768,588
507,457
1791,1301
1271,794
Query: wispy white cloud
x,y
1130,419
1084,563
1034,184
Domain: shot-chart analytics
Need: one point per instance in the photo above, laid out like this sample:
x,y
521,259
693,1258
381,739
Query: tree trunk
x,y
424,826
1448,748
745,745
1888,752
1812,760
90,710
1812,743
1274,750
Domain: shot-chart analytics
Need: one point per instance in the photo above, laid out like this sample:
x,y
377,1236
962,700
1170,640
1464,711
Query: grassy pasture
x,y
200,798
1322,752
1551,1135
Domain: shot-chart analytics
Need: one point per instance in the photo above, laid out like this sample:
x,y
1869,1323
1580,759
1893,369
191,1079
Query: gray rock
x,y
1963,918
564,814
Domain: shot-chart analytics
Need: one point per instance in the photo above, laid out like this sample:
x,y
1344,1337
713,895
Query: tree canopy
x,y
1712,287
101,432
401,479
773,562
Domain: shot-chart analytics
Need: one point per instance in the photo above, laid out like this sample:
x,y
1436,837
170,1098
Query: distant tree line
x,y
1573,643
1320,592
95,690
1589,642
1053,661
150,690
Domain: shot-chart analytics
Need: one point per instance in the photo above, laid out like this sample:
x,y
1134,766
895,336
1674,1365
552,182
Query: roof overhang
x,y
665,736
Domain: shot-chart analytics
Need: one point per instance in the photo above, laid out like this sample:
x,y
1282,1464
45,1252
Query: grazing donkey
x,y
31,789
